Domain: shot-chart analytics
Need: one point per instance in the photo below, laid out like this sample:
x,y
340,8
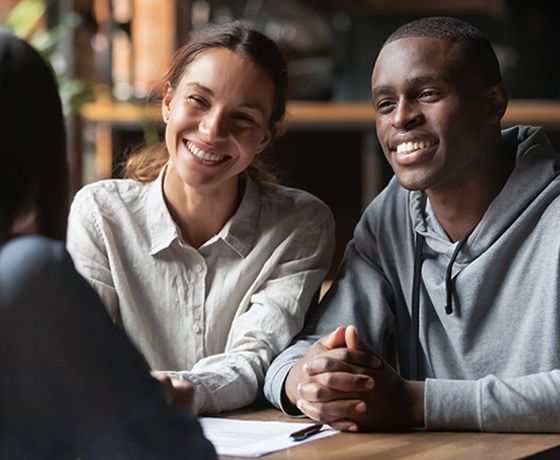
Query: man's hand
x,y
391,403
180,392
332,372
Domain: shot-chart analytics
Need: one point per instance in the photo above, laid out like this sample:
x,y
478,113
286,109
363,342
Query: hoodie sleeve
x,y
529,403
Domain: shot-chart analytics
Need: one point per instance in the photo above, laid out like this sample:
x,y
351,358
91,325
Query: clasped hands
x,y
340,382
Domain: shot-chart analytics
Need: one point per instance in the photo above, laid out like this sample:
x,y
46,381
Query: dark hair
x,y
247,42
33,175
476,48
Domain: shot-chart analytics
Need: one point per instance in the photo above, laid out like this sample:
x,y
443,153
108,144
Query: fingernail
x,y
363,382
360,407
353,428
299,404
298,389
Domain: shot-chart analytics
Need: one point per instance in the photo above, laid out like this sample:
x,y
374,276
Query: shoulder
x,y
388,213
29,264
35,248
120,202
293,203
109,194
392,199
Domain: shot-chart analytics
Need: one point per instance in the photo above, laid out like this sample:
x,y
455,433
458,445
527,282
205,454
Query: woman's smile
x,y
209,158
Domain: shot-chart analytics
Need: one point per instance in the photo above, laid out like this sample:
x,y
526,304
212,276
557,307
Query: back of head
x,y
477,51
33,175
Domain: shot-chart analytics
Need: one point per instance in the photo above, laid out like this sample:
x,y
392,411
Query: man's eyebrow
x,y
381,90
424,79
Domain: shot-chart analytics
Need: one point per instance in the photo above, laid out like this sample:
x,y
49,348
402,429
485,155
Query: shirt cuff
x,y
274,390
452,405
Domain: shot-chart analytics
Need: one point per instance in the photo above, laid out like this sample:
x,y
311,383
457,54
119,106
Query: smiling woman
x,y
217,121
209,267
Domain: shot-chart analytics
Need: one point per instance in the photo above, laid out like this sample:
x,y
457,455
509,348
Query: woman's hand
x,y
180,393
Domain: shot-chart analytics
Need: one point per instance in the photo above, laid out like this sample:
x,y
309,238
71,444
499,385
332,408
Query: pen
x,y
304,433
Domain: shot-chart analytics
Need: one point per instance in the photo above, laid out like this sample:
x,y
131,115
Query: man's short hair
x,y
476,48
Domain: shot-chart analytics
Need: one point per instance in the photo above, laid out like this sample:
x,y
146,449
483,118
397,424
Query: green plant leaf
x,y
45,41
24,16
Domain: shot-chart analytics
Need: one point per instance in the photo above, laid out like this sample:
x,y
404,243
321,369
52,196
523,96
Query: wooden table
x,y
410,445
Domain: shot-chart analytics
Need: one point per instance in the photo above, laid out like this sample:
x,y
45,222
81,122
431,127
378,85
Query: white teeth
x,y
199,153
409,147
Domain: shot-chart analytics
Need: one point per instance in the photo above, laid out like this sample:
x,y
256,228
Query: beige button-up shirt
x,y
218,314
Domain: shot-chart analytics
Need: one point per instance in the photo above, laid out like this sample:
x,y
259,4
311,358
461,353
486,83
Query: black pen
x,y
304,433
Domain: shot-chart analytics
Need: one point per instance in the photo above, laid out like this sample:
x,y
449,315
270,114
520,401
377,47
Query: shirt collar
x,y
162,229
238,232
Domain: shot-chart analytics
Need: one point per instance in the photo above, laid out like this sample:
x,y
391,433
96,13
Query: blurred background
x,y
110,54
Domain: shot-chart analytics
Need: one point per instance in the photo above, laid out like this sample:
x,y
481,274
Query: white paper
x,y
251,438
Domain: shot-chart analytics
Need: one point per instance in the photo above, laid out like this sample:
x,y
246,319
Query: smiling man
x,y
451,282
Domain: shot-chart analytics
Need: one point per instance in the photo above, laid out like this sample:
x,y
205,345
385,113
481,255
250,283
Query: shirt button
x,y
197,268
196,328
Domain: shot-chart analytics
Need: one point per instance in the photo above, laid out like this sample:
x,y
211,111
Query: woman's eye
x,y
196,100
244,118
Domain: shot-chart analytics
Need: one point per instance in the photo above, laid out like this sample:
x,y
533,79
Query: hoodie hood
x,y
537,163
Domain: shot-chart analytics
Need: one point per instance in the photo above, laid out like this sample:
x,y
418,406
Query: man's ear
x,y
167,93
497,101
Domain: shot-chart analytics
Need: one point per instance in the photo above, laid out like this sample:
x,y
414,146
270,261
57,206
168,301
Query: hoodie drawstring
x,y
448,276
416,282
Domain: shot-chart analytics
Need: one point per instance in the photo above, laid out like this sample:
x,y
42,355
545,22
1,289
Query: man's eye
x,y
428,95
384,106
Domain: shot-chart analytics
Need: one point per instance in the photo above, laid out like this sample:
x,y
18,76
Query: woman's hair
x,y
33,176
259,49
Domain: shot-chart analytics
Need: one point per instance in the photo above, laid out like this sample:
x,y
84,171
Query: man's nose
x,y
406,115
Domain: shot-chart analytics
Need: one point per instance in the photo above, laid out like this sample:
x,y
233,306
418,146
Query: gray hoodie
x,y
493,362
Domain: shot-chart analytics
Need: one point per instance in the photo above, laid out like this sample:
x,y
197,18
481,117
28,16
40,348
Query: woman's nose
x,y
213,125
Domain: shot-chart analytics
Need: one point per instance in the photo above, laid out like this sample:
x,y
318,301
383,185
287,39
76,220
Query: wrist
x,y
290,386
414,391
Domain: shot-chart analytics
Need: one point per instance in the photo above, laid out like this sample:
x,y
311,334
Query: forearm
x,y
223,382
523,404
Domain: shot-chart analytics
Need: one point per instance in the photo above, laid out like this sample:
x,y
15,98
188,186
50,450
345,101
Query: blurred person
x,y
71,384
